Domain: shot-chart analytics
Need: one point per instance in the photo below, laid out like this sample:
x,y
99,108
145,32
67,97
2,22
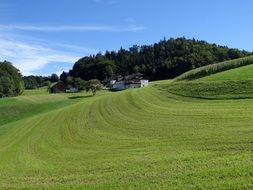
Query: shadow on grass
x,y
79,97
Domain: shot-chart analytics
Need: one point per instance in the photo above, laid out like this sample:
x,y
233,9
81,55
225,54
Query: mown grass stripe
x,y
135,139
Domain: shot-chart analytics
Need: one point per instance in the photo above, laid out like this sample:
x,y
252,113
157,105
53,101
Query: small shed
x,y
58,87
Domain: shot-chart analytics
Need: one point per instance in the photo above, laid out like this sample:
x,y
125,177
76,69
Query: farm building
x,y
72,90
137,84
120,85
131,81
109,82
58,87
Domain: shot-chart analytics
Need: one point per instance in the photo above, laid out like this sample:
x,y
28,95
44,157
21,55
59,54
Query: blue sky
x,y
47,36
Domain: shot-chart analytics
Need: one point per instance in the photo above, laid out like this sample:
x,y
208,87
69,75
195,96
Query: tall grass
x,y
215,68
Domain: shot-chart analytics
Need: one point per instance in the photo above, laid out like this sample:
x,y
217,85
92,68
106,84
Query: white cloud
x,y
32,57
76,28
136,28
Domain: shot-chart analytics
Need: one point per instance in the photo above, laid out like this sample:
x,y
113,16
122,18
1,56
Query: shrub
x,y
11,83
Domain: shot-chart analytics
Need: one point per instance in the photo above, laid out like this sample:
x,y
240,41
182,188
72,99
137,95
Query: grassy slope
x,y
230,84
42,90
215,68
211,90
136,139
33,102
241,73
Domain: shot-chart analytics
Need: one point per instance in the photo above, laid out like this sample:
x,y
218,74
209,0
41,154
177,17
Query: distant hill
x,y
163,60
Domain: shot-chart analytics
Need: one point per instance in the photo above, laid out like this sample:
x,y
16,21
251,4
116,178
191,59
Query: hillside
x,y
134,139
165,59
215,68
241,73
225,80
218,90
34,102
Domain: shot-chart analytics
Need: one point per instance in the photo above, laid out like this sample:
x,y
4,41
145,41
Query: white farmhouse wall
x,y
144,83
121,85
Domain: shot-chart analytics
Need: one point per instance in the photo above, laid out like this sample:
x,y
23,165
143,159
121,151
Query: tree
x,y
63,77
54,77
93,85
98,67
11,83
32,82
79,83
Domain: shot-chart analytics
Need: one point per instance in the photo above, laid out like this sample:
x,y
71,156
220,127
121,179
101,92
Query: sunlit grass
x,y
134,139
241,73
215,68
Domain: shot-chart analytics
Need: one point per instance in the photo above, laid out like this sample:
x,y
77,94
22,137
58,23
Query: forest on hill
x,y
163,60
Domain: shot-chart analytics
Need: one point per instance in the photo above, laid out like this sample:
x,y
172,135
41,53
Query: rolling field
x,y
241,73
135,139
213,90
33,102
212,69
226,80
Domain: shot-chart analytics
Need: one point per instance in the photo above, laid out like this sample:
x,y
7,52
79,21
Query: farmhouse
x,y
137,84
109,82
131,81
58,87
72,90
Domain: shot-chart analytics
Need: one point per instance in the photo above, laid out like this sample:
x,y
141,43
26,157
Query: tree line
x,y
33,82
163,60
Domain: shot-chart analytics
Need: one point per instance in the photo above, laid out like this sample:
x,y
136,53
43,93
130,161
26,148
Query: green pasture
x,y
241,73
144,138
212,69
226,80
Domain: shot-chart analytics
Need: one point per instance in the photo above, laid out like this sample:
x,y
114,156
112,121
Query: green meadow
x,y
144,138
218,68
241,73
234,81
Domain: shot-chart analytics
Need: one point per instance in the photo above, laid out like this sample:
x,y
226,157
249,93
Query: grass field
x,y
42,90
241,73
135,139
33,102
215,68
232,82
239,89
